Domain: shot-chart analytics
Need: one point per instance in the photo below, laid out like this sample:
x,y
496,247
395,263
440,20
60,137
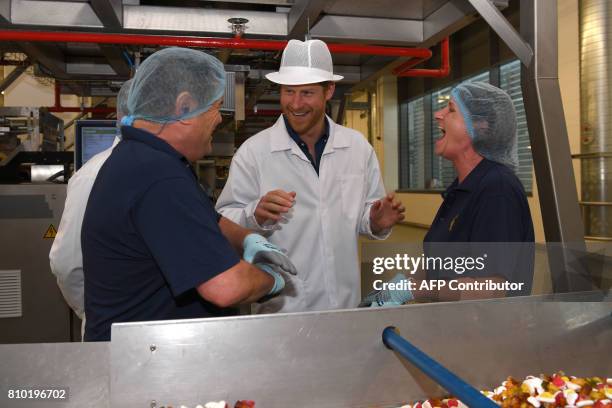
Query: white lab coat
x,y
320,232
66,257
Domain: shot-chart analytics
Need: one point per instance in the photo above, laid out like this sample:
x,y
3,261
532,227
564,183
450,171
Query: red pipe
x,y
203,42
406,66
79,110
58,102
443,71
59,108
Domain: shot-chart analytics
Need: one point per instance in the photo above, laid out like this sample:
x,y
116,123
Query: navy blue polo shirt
x,y
150,237
319,145
489,206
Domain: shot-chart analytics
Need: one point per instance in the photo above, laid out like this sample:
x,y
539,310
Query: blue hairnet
x,y
164,75
490,120
122,97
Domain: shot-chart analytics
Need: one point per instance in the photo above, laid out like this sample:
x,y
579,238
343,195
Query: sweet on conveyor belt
x,y
220,404
556,391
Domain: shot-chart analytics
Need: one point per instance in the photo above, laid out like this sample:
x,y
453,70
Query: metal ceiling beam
x,y
303,14
54,13
135,17
90,77
74,88
504,29
200,20
5,12
446,20
49,56
89,67
110,12
114,56
451,17
14,74
368,29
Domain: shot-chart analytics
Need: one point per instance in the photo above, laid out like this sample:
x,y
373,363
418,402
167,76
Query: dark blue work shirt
x,y
489,206
319,145
150,237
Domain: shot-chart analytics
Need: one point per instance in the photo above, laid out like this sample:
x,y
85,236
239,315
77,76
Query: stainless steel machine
x,y
32,195
32,308
325,359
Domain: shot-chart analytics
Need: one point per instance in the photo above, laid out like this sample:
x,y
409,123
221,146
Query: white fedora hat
x,y
305,62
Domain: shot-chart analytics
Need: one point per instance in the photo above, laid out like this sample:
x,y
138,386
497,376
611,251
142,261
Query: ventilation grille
x,y
10,294
229,104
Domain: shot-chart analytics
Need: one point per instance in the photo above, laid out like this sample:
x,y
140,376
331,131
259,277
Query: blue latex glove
x,y
272,270
387,298
257,249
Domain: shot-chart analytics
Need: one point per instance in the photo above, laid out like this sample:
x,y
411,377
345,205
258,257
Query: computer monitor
x,y
91,137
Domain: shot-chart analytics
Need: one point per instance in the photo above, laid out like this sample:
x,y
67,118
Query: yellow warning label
x,y
51,232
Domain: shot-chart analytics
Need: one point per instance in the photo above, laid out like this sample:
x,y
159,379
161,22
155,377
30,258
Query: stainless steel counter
x,y
326,359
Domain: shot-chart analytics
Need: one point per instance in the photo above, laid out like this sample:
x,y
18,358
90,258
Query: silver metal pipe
x,y
595,107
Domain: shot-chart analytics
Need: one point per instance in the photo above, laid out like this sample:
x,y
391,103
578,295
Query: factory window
x,y
420,168
415,148
510,81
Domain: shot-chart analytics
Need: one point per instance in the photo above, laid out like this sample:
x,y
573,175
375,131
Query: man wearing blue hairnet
x,y
153,246
65,257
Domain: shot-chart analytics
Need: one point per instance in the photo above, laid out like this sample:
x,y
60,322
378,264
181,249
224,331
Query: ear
x,y
184,104
329,92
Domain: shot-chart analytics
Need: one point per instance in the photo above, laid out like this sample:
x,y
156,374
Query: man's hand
x,y
273,205
257,249
385,213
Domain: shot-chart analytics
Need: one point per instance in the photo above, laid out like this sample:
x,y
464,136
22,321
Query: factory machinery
x,y
319,359
31,146
32,195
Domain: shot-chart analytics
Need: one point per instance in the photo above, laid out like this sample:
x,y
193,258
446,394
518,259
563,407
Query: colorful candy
x,y
556,391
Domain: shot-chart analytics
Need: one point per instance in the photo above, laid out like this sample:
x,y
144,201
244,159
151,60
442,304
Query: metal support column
x,y
536,47
550,146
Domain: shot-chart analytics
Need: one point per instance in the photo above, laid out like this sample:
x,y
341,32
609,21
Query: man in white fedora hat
x,y
311,186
